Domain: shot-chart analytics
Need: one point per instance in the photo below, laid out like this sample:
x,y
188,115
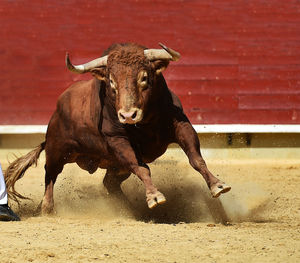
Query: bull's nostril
x,y
134,115
122,116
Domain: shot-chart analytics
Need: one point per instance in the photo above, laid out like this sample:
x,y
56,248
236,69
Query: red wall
x,y
240,59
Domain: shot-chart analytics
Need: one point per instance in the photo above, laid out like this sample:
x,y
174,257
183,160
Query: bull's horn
x,y
165,53
98,62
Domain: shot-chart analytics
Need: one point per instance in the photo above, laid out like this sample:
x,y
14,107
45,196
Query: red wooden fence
x,y
240,59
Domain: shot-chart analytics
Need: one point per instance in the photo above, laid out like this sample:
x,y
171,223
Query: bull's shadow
x,y
186,203
189,199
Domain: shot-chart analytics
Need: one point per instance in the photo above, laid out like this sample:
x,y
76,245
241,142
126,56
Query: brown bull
x,y
120,120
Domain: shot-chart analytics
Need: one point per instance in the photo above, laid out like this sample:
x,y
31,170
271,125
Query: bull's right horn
x,y
165,53
96,63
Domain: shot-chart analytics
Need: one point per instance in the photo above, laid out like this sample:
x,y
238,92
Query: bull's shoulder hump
x,y
175,99
80,86
77,93
77,89
80,104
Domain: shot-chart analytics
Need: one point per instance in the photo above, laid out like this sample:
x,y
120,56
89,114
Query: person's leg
x,y
6,214
3,193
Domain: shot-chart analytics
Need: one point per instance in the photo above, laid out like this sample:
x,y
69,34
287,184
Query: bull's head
x,y
130,73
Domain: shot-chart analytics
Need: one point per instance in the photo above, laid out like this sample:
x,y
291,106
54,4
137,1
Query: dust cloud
x,y
78,194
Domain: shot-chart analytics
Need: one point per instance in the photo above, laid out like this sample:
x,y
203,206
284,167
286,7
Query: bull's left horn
x,y
165,53
98,62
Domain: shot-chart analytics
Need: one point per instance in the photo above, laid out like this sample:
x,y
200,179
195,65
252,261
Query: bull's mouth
x,y
133,116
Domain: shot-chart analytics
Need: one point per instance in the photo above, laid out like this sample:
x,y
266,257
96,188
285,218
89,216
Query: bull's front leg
x,y
188,140
127,158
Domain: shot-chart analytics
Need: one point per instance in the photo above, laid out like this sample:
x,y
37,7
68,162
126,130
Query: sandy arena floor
x,y
258,221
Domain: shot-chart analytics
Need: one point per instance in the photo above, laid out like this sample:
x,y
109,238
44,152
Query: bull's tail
x,y
17,168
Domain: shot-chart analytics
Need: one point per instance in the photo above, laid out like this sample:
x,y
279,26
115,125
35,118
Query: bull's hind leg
x,y
113,179
112,182
52,169
188,140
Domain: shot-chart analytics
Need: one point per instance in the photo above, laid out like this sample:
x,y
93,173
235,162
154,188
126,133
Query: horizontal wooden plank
x,y
29,103
270,101
212,87
35,117
265,116
245,117
282,72
202,72
257,47
213,116
269,60
25,87
212,102
269,86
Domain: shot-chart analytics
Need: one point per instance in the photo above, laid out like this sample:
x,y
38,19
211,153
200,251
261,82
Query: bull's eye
x,y
111,82
114,90
144,79
113,86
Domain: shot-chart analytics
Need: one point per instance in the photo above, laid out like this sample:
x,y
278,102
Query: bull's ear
x,y
99,73
160,65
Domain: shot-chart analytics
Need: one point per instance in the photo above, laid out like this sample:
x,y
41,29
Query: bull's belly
x,y
92,163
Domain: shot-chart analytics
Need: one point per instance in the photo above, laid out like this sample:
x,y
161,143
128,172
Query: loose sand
x,y
258,221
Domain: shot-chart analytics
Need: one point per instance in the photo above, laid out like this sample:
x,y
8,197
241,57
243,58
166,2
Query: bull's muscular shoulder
x,y
80,103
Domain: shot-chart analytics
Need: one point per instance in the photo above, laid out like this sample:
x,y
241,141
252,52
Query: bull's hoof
x,y
47,211
219,188
47,208
155,199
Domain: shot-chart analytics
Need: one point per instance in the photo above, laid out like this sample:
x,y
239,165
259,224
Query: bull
x,y
120,120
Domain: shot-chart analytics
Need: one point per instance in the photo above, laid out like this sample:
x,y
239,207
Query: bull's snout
x,y
132,116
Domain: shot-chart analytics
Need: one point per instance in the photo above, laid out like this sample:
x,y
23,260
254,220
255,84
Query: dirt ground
x,y
258,221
